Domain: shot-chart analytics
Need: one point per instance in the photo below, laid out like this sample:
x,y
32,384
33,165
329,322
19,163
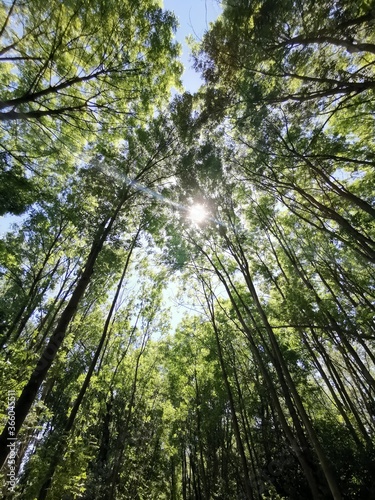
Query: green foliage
x,y
264,389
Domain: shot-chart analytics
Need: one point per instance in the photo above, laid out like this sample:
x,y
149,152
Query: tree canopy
x,y
187,301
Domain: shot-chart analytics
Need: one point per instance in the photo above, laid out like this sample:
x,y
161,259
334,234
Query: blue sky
x,y
194,17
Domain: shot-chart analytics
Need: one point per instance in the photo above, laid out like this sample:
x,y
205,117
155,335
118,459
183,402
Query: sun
x,y
197,213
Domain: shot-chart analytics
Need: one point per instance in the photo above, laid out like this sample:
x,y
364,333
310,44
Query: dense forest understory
x,y
251,201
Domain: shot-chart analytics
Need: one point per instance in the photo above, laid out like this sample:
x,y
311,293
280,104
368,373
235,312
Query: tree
x,y
73,73
80,62
275,52
265,387
142,169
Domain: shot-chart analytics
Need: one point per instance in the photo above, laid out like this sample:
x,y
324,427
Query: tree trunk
x,y
59,452
31,389
237,432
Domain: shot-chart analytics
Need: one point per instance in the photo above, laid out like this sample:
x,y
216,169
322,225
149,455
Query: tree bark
x,y
31,389
77,404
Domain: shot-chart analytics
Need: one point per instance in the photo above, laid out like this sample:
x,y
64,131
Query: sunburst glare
x,y
197,213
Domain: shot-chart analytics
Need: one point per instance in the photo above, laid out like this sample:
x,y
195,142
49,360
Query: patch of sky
x,y
194,17
344,175
8,222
